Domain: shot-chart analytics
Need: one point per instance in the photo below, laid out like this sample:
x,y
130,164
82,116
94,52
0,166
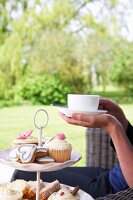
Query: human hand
x,y
105,121
113,109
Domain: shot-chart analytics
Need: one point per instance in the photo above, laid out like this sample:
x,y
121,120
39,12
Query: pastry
x,y
41,152
25,138
26,153
58,148
12,191
19,190
49,189
45,160
65,194
29,190
23,190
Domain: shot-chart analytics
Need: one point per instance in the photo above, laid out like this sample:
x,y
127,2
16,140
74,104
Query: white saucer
x,y
68,112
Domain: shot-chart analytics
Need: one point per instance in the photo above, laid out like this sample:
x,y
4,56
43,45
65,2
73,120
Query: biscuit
x,y
26,138
41,152
26,153
13,155
45,160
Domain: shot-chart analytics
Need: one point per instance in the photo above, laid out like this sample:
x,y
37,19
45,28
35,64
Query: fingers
x,y
67,119
103,102
76,119
86,120
107,104
81,117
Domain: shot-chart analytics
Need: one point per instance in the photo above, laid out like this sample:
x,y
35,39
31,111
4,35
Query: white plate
x,y
83,195
68,113
34,167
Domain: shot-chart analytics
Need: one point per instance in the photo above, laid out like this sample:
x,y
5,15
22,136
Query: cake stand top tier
x,y
34,167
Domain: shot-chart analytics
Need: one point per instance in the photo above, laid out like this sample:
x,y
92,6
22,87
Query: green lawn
x,y
14,120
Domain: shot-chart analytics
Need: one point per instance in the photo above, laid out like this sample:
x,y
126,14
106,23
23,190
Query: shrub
x,y
45,89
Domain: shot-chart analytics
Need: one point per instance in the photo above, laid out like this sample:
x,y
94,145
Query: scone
x,y
59,149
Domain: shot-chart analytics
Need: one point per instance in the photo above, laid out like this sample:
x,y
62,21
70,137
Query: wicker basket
x,y
99,153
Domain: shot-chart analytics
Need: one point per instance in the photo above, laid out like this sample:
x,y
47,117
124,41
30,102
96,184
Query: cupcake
x,y
64,194
58,148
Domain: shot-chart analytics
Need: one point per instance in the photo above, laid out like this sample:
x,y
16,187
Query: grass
x,y
15,120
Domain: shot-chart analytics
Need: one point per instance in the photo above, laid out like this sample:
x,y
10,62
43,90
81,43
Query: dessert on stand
x,y
22,158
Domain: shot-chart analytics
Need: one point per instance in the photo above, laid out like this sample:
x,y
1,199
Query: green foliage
x,y
11,68
45,89
62,39
122,68
39,40
120,96
94,25
56,53
98,54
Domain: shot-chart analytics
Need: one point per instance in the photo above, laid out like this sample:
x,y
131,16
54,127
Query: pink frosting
x,y
60,136
25,134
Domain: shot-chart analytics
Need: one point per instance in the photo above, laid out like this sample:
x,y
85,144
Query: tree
x,y
65,39
121,71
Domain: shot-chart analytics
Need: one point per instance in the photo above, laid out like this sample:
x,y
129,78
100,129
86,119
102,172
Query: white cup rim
x,y
95,95
83,102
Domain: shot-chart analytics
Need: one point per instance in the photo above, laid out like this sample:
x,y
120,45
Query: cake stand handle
x,y
40,137
38,186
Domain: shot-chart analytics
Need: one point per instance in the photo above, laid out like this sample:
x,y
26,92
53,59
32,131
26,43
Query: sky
x,y
123,12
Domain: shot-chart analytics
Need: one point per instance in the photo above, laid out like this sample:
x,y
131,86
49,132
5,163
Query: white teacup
x,y
83,102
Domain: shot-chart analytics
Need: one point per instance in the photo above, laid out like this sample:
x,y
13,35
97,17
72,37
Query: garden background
x,y
51,48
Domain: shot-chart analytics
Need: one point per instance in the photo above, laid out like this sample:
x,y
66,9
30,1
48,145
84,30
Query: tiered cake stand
x,y
34,167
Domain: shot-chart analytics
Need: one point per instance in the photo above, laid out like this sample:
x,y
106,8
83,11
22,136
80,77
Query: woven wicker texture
x,y
99,153
124,195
